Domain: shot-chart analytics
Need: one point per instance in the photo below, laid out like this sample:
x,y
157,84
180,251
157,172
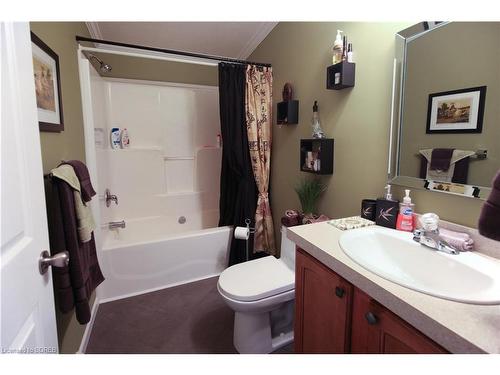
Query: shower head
x,y
103,67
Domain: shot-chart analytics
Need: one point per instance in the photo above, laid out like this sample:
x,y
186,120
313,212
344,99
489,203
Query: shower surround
x,y
167,184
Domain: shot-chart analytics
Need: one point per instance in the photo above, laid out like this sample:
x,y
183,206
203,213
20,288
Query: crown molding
x,y
94,30
256,39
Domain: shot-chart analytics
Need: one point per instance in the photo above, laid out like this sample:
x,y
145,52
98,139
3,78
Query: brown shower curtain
x,y
258,103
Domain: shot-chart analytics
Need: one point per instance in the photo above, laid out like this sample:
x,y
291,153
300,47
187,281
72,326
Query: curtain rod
x,y
169,51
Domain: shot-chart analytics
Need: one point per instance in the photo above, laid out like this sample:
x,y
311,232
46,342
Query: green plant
x,y
309,190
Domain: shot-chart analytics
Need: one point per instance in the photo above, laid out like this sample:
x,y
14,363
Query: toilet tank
x,y
287,249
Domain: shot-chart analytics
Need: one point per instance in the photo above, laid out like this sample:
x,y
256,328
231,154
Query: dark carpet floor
x,y
186,319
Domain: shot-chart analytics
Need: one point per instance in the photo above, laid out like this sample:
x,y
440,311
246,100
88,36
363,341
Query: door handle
x,y
58,260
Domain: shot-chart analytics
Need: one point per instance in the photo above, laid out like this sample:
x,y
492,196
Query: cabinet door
x,y
377,330
322,308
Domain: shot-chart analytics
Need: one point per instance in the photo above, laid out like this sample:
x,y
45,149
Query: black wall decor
x,y
340,76
288,113
288,109
316,155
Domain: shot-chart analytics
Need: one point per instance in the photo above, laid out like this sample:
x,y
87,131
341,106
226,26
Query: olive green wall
x,y
69,144
157,70
357,118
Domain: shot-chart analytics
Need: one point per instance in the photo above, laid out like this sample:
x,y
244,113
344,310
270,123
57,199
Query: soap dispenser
x,y
338,48
406,221
387,210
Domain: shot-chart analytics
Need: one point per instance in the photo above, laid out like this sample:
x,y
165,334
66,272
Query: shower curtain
x,y
238,191
258,102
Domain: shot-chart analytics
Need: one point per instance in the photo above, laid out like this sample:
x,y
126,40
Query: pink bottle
x,y
406,218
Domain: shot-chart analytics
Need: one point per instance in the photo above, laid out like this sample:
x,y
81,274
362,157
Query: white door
x,y
27,302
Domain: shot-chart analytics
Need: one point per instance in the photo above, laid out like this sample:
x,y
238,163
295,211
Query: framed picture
x,y
459,111
47,86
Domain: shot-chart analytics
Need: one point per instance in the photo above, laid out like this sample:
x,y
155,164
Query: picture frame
x,y
457,111
47,86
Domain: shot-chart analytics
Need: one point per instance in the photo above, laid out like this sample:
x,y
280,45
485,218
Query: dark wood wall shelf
x,y
288,112
316,149
340,76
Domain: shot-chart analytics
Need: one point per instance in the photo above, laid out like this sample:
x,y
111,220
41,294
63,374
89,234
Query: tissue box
x,y
387,213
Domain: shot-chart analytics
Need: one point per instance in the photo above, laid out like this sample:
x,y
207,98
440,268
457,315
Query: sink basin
x,y
467,277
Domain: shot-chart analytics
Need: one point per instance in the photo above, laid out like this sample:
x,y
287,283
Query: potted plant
x,y
309,190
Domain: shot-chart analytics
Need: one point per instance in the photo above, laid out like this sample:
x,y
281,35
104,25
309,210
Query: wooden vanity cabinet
x,y
323,303
332,316
375,329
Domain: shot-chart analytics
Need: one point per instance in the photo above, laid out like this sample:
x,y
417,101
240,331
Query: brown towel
x,y
460,173
73,285
441,158
489,219
291,221
83,175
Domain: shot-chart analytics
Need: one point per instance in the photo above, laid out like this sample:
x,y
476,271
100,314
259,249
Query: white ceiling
x,y
230,39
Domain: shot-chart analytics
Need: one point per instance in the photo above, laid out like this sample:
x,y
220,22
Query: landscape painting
x,y
454,111
458,111
47,86
44,85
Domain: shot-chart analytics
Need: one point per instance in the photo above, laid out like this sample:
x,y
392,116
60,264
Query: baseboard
x,y
88,328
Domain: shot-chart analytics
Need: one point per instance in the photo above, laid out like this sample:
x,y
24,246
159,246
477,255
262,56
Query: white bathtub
x,y
158,252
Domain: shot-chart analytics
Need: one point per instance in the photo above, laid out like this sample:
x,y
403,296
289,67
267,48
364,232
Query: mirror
x,y
446,131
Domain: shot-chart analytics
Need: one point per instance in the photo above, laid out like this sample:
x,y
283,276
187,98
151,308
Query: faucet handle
x,y
429,221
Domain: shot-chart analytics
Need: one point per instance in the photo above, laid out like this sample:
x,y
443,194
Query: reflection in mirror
x,y
450,108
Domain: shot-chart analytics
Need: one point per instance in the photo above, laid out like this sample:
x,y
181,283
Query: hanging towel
x,y
81,171
489,219
74,284
453,170
85,220
441,159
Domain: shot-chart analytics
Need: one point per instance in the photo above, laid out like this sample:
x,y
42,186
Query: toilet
x,y
261,292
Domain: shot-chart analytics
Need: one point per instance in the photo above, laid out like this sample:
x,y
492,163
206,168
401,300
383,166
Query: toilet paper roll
x,y
241,233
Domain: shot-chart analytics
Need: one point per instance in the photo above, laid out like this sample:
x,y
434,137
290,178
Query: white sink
x,y
393,255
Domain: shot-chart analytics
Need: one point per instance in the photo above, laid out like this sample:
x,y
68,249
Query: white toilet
x,y
261,292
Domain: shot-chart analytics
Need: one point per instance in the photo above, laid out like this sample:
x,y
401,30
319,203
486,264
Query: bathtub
x,y
158,252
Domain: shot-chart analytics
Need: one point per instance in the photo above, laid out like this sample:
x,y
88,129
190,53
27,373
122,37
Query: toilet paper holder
x,y
250,231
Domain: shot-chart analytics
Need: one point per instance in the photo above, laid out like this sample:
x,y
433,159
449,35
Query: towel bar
x,y
480,154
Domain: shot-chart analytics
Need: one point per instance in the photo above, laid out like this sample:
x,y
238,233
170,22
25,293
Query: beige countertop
x,y
458,327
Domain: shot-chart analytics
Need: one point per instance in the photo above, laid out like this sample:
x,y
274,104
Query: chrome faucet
x,y
108,197
116,224
429,235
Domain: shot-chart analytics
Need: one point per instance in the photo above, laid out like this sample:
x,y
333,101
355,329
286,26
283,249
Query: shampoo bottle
x,y
124,139
115,138
406,221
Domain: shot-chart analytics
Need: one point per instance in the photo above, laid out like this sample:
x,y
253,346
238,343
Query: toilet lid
x,y
256,279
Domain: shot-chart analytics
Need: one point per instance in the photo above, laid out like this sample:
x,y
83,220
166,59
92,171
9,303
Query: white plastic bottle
x,y
338,48
115,138
350,53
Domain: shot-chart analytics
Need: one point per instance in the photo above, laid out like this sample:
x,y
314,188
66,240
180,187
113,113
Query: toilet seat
x,y
255,280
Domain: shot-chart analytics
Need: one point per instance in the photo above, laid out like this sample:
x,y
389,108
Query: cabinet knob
x,y
339,292
371,318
